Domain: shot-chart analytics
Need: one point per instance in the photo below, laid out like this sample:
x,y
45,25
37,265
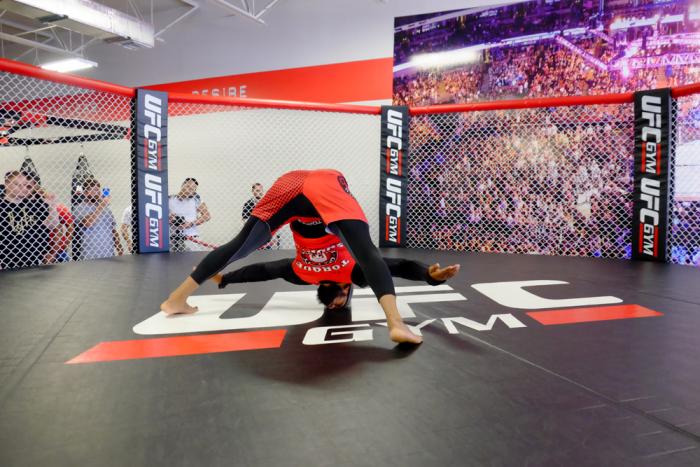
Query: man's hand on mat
x,y
442,274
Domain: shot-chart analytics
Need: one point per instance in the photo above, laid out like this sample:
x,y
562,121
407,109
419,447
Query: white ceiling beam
x,y
264,10
23,27
36,45
136,9
58,39
240,11
97,16
24,54
33,31
85,45
194,6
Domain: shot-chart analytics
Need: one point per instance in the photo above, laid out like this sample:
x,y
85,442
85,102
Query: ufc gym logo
x,y
394,166
154,209
297,308
153,112
651,135
300,307
650,209
153,163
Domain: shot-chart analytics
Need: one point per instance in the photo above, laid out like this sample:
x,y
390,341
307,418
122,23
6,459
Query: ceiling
x,y
208,38
33,36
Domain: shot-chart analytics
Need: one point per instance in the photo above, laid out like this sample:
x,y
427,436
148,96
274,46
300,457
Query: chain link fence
x,y
684,237
551,181
228,150
65,157
555,181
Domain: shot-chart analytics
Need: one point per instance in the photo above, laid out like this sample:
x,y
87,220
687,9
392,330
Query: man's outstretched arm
x,y
412,270
417,271
259,272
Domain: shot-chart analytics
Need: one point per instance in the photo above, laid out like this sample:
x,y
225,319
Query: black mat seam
x,y
643,292
674,299
28,362
600,395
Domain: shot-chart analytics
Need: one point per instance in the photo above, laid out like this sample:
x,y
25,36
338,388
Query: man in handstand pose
x,y
308,196
322,259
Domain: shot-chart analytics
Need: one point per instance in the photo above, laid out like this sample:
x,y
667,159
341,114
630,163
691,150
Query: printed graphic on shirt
x,y
320,257
344,184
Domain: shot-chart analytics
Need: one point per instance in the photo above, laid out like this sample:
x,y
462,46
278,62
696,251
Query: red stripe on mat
x,y
181,345
598,313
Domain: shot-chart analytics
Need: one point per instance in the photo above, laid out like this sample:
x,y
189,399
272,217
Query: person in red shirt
x,y
62,235
323,260
307,196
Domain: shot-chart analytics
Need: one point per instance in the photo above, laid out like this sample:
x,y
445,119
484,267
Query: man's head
x,y
334,295
189,188
258,191
18,185
92,189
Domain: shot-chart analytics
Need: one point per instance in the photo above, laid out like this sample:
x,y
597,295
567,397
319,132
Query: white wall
x,y
226,152
298,33
229,151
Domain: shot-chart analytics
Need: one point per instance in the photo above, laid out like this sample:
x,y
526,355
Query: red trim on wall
x,y
358,81
272,104
341,82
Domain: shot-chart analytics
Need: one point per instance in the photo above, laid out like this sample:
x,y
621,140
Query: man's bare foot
x,y
401,334
177,307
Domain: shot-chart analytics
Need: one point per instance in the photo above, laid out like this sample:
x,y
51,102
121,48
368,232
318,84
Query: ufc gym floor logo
x,y
297,308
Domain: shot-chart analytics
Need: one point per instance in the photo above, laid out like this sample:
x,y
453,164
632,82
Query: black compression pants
x,y
256,233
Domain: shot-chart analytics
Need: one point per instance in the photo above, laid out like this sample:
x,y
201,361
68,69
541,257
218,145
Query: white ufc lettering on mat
x,y
296,308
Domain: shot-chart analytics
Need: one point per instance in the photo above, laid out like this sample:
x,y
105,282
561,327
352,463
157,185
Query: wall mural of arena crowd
x,y
572,186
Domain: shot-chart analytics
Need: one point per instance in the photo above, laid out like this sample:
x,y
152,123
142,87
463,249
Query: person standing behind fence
x,y
92,213
248,206
61,236
125,229
43,236
187,212
247,210
23,223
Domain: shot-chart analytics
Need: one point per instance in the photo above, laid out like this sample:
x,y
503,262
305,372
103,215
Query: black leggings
x,y
355,236
256,233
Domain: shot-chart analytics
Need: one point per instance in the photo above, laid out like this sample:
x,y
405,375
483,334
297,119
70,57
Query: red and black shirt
x,y
322,257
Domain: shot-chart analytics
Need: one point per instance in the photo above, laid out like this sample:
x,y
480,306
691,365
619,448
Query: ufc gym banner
x,y
652,145
393,187
152,170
